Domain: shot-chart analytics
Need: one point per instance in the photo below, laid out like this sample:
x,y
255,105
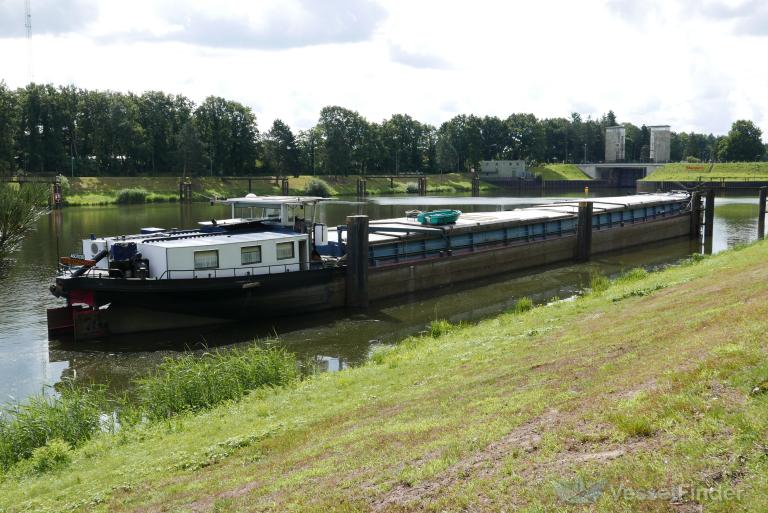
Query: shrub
x,y
65,186
523,305
317,187
412,188
130,196
20,208
192,383
54,455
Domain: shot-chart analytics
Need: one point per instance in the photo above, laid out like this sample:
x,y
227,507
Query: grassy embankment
x,y
560,172
727,171
652,382
104,190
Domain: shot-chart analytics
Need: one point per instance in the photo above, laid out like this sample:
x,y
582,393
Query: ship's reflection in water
x,y
333,340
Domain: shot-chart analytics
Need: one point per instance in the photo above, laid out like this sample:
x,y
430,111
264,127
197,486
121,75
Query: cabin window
x,y
207,259
285,250
250,255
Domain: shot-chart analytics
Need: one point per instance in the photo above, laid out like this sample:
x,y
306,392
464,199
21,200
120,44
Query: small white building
x,y
503,169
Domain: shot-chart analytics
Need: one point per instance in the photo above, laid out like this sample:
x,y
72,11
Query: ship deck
x,y
397,229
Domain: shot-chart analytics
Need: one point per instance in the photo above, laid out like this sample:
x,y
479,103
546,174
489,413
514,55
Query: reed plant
x,y
523,305
440,327
72,417
187,383
192,382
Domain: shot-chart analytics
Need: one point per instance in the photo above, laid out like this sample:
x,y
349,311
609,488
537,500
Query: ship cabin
x,y
265,235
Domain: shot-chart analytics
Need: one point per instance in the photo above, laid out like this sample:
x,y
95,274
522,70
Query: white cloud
x,y
692,64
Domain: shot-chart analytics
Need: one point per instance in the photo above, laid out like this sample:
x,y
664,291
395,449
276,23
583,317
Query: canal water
x,y
29,361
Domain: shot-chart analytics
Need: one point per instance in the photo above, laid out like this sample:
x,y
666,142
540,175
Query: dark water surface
x,y
29,361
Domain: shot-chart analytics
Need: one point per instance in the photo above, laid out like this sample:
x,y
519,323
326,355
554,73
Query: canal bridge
x,y
620,174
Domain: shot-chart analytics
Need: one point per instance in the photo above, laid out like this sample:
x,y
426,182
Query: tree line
x,y
48,129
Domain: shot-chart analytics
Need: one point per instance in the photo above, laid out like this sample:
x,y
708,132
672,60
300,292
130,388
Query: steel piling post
x,y
761,213
357,261
709,214
584,232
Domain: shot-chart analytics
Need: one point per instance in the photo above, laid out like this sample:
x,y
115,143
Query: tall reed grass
x,y
186,383
73,416
192,383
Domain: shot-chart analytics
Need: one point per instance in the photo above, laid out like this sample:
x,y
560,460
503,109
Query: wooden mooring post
x,y
709,214
357,261
695,215
475,186
362,188
185,189
422,186
57,198
584,232
761,213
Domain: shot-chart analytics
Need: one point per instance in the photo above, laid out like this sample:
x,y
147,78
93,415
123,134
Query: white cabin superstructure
x,y
274,238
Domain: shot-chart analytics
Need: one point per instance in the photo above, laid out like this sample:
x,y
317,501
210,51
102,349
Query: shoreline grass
x,y
694,172
650,382
187,383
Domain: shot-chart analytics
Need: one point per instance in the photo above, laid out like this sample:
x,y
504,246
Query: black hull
x,y
219,298
146,305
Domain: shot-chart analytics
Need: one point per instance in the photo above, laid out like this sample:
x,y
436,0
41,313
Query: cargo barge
x,y
272,259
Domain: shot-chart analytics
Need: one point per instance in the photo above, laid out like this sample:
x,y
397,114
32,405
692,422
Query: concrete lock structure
x,y
615,141
661,139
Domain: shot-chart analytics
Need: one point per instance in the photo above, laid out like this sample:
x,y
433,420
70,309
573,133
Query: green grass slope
x,y
612,402
727,171
560,172
104,190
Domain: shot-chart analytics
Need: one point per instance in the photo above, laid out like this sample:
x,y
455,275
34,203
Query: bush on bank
x,y
131,196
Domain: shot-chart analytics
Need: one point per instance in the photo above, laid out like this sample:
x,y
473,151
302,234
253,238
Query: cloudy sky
x,y
693,64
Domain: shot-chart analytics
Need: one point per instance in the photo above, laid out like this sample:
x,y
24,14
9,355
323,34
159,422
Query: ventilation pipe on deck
x,y
101,254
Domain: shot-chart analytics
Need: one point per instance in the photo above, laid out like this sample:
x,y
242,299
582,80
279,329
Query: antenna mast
x,y
28,25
